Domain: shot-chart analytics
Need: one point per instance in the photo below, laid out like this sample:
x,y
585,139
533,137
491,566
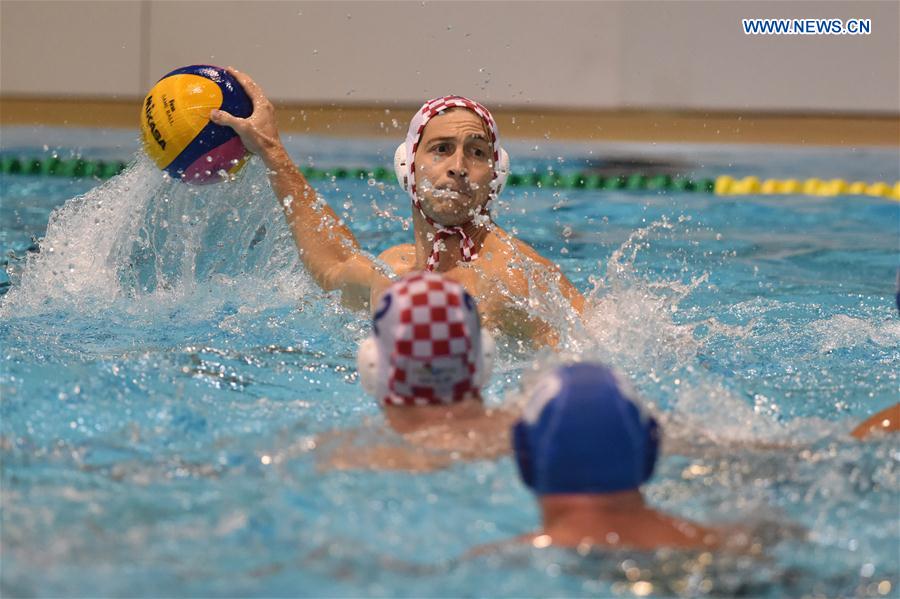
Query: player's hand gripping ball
x,y
177,132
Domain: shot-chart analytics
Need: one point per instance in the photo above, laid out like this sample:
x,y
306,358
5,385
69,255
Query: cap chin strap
x,y
442,232
368,361
466,243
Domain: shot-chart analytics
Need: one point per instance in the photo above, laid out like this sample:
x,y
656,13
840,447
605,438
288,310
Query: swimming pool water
x,y
167,366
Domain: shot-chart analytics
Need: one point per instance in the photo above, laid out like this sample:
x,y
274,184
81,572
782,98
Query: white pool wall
x,y
596,55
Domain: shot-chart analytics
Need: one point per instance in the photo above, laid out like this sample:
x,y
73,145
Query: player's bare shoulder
x,y
511,258
501,259
565,285
518,248
401,258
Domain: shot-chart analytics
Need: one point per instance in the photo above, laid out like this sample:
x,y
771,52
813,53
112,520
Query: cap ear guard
x,y
522,451
502,170
652,447
367,365
486,361
401,169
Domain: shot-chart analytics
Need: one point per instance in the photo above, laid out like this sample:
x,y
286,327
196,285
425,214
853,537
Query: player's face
x,y
454,167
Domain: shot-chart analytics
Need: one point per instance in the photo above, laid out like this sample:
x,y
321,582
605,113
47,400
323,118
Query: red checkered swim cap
x,y
427,345
405,169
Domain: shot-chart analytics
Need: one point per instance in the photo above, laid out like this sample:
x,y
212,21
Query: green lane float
x,y
724,185
75,168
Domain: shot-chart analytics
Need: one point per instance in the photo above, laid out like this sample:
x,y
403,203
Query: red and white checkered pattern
x,y
429,110
429,337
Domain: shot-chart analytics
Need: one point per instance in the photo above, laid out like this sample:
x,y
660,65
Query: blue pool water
x,y
167,366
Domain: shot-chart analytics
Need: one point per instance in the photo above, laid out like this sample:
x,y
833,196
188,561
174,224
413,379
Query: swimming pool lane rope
x,y
721,186
75,168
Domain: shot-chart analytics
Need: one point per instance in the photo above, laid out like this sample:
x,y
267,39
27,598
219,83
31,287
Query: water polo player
x,y
584,448
452,166
426,363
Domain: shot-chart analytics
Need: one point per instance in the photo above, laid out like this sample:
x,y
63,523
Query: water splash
x,y
630,316
143,240
842,331
636,321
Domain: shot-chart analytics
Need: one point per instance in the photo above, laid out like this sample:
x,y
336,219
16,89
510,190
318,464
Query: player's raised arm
x,y
327,247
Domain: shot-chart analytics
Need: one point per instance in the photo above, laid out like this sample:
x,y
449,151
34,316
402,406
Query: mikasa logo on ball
x,y
148,111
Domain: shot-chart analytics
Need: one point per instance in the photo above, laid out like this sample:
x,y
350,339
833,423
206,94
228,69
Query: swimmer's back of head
x,y
427,346
581,434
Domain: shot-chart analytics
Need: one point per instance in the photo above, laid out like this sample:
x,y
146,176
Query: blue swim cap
x,y
580,434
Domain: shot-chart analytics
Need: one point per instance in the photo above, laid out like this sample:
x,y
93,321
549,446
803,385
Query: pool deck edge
x,y
530,123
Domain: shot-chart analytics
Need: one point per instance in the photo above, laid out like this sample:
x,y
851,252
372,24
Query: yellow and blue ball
x,y
177,132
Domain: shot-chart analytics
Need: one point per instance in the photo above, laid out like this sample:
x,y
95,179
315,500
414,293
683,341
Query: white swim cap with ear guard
x,y
405,168
427,346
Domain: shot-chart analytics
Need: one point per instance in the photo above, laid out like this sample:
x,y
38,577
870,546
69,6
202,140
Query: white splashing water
x,y
631,316
841,331
141,241
628,323
84,242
